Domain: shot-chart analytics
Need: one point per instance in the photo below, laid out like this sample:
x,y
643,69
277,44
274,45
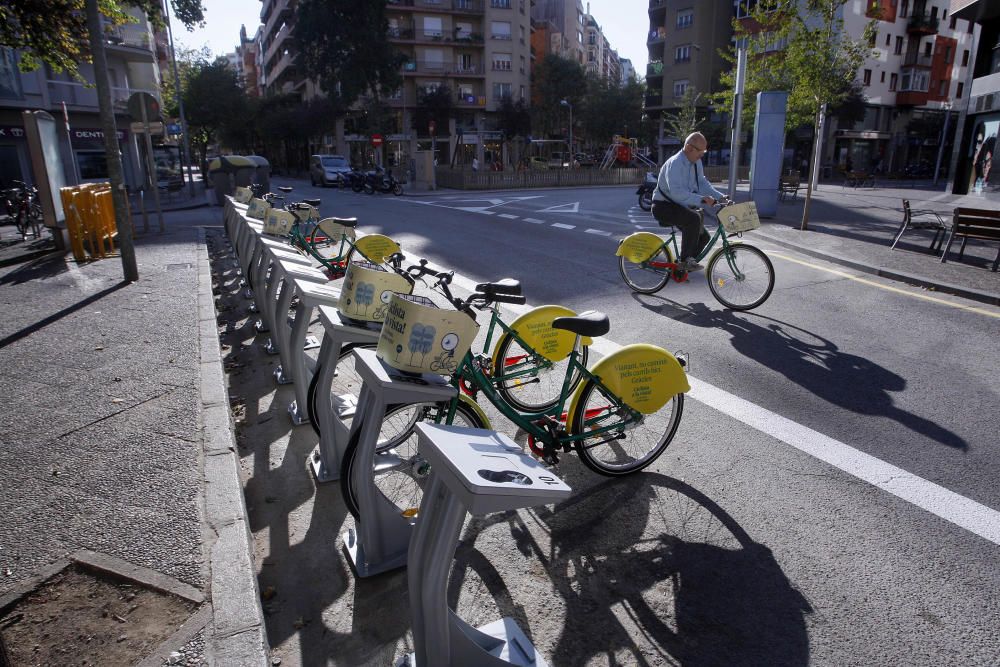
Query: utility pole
x,y
737,123
111,148
180,100
944,137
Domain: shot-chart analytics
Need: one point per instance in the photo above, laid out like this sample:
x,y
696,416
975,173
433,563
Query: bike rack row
x,y
472,470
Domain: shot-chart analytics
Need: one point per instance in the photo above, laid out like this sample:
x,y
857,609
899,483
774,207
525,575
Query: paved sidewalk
x,y
116,430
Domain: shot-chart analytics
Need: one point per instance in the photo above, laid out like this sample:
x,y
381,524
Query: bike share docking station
x,y
380,539
311,295
287,273
479,472
331,411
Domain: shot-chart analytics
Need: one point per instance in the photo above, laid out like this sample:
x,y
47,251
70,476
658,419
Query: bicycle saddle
x,y
312,202
346,222
285,188
505,286
590,323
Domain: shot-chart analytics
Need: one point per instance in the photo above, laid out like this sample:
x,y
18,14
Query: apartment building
x,y
684,40
566,21
917,72
247,62
627,71
132,52
979,118
600,59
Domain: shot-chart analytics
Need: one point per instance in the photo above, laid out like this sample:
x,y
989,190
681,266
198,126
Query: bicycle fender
x,y
535,329
639,247
644,376
376,247
475,407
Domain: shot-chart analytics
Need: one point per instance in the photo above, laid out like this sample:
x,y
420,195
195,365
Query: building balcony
x,y
470,101
918,60
131,42
654,69
912,98
434,68
654,101
274,13
450,6
276,44
922,24
656,36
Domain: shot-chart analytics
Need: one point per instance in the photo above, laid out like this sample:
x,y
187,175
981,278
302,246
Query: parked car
x,y
328,169
585,160
559,161
538,163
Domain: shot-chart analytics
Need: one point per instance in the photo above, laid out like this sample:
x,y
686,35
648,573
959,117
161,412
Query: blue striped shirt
x,y
683,182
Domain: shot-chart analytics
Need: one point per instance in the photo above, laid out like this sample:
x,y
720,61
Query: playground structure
x,y
625,151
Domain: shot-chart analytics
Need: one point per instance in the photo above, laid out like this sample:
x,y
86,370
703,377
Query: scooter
x,y
382,181
645,191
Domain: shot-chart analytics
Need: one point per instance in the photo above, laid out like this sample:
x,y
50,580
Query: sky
x,y
624,22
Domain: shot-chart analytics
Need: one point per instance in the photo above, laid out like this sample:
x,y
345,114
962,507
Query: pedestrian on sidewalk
x,y
680,190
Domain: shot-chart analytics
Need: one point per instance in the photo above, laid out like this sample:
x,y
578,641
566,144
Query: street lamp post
x,y
572,155
944,136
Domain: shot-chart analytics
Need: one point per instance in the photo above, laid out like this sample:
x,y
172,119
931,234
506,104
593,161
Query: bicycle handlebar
x,y
477,300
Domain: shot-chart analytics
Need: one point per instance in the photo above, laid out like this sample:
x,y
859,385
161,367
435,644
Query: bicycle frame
x,y
671,243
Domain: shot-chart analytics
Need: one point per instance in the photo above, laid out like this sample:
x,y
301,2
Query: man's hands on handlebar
x,y
712,201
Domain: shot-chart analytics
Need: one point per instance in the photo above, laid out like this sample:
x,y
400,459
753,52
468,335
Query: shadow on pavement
x,y
809,360
55,317
650,571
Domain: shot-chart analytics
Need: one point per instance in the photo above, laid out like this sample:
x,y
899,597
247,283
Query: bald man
x,y
680,190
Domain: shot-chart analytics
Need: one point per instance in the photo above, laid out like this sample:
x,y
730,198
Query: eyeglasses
x,y
700,150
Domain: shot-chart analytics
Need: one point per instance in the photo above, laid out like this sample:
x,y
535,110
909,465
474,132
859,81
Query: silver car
x,y
328,169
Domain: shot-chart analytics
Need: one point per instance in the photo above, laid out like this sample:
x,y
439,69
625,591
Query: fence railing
x,y
535,178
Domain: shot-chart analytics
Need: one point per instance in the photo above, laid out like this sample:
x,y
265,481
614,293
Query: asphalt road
x,y
844,433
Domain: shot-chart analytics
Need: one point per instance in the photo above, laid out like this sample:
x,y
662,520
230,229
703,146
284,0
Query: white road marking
x,y
561,225
487,212
563,208
598,231
508,216
534,221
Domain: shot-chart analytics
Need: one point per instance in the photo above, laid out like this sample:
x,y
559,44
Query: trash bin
x,y
262,173
244,170
229,171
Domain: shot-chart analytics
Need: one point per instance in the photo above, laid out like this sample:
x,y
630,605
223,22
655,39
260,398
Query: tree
x,y
609,109
514,120
65,33
215,104
682,122
345,46
555,79
818,61
433,104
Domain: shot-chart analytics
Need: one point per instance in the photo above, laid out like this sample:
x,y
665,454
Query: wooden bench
x,y
973,223
859,179
935,223
788,186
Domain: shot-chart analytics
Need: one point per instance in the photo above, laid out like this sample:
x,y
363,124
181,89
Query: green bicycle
x,y
740,276
619,415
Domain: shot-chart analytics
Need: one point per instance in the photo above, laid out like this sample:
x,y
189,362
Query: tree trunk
x,y
111,148
813,176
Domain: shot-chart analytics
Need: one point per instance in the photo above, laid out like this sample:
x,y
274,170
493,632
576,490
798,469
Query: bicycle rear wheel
x,y
740,276
347,380
398,470
527,381
629,447
649,276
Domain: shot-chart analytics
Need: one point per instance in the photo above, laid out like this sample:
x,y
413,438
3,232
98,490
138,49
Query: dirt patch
x,y
83,618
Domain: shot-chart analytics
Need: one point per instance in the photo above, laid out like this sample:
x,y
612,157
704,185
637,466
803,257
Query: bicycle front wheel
x,y
648,276
347,380
740,276
618,445
398,470
527,381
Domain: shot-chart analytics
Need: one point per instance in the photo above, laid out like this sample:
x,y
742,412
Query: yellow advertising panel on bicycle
x,y
242,195
376,247
419,337
258,209
535,329
737,218
639,247
278,222
643,376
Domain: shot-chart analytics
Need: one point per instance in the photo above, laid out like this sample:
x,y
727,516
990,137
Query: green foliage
x,y
555,79
685,120
434,104
214,103
609,109
514,118
189,62
344,45
816,62
54,32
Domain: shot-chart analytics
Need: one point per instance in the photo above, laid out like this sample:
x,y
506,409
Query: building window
x,y
463,30
522,92
501,62
971,28
948,55
680,87
500,29
942,88
434,59
882,78
893,81
958,90
904,9
501,90
685,18
682,54
10,77
888,40
432,26
522,65
965,58
465,63
867,77
899,46
951,24
522,34
500,4
928,48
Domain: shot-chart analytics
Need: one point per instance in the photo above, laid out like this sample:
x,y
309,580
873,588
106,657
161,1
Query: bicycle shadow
x,y
810,361
649,571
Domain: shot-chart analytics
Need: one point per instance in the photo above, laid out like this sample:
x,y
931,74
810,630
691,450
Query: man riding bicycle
x,y
680,190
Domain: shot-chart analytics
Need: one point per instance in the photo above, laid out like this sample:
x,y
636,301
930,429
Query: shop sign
x,y
91,137
491,136
11,132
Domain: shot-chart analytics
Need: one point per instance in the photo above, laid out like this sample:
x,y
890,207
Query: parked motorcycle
x,y
645,191
382,181
354,179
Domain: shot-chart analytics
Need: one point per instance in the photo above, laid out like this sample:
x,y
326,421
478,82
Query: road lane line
x,y
939,501
889,288
534,221
486,212
597,231
562,225
508,216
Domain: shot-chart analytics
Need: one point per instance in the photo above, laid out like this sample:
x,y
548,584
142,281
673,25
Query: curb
x,y
238,636
989,298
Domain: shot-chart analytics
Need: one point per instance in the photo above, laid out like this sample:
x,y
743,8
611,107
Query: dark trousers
x,y
693,234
